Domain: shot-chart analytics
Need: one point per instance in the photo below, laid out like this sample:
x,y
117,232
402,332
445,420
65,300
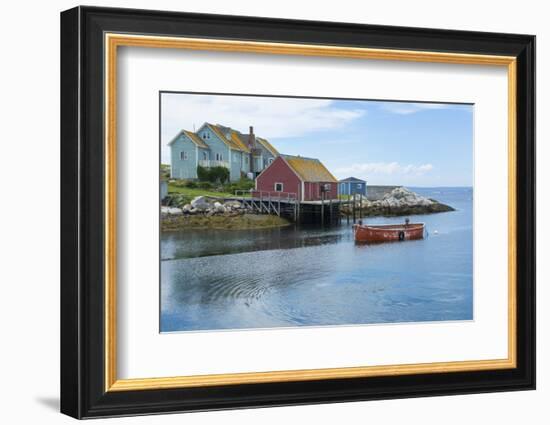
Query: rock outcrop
x,y
401,201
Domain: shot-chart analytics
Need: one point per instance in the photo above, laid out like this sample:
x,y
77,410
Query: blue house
x,y
219,146
352,185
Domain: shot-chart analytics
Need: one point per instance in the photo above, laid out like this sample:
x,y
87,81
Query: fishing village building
x,y
307,178
352,185
219,146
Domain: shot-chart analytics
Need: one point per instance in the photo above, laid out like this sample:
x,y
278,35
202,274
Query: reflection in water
x,y
311,276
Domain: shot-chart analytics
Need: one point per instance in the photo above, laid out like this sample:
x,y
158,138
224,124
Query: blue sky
x,y
401,143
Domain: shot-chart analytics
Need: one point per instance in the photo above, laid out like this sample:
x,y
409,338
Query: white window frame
x,y
275,187
270,161
184,156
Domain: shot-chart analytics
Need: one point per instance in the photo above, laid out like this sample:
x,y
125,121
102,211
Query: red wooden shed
x,y
307,178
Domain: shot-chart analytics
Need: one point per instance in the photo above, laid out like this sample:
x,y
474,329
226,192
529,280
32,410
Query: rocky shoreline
x,y
399,202
209,213
207,206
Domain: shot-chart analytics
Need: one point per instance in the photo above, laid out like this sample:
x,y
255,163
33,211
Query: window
x,y
183,155
278,187
219,157
359,185
324,188
270,160
204,155
246,160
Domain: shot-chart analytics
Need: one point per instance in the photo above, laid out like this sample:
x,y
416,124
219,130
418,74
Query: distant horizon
x,y
426,144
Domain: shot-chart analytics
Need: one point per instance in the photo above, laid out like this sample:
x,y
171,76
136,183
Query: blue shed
x,y
352,185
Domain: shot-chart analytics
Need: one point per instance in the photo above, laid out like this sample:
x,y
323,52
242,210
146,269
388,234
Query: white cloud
x,y
407,108
271,117
372,170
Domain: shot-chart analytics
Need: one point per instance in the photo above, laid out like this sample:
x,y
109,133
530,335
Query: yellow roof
x,y
193,137
309,169
268,146
196,139
236,138
220,133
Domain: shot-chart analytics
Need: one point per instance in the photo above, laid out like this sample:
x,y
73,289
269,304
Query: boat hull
x,y
389,233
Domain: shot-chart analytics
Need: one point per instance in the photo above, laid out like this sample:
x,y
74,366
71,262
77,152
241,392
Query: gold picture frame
x,y
114,41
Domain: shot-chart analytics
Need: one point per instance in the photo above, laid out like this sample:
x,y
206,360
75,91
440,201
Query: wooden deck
x,y
287,205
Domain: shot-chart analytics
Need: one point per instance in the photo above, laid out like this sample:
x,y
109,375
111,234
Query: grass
x,y
192,192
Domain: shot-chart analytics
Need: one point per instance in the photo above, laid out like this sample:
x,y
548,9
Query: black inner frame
x,y
82,206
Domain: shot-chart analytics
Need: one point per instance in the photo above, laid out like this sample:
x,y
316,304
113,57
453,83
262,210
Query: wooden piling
x,y
353,208
323,208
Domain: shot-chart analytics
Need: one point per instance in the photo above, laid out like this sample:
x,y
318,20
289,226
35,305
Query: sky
x,y
383,142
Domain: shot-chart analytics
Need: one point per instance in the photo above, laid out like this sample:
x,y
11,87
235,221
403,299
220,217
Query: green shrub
x,y
242,184
165,171
177,200
213,175
203,173
219,175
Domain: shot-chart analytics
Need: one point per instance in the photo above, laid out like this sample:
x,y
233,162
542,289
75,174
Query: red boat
x,y
388,232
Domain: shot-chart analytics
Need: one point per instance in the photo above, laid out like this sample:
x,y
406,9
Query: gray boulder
x,y
218,207
233,204
171,211
200,203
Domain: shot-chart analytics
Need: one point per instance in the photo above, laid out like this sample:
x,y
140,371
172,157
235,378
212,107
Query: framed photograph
x,y
261,212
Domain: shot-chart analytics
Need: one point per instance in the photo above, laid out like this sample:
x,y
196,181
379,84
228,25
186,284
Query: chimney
x,y
251,138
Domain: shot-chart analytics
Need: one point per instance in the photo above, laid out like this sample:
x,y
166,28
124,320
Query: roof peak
x,y
299,157
348,179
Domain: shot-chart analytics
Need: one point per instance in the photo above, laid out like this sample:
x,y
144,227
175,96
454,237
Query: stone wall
x,y
375,193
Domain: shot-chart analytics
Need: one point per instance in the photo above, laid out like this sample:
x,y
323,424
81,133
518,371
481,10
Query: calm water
x,y
317,277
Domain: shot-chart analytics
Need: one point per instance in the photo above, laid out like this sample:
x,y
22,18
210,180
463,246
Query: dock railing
x,y
270,202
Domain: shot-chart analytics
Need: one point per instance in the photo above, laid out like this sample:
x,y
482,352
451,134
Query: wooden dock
x,y
326,212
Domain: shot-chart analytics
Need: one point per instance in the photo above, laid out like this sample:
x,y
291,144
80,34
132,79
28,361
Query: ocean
x,y
313,276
